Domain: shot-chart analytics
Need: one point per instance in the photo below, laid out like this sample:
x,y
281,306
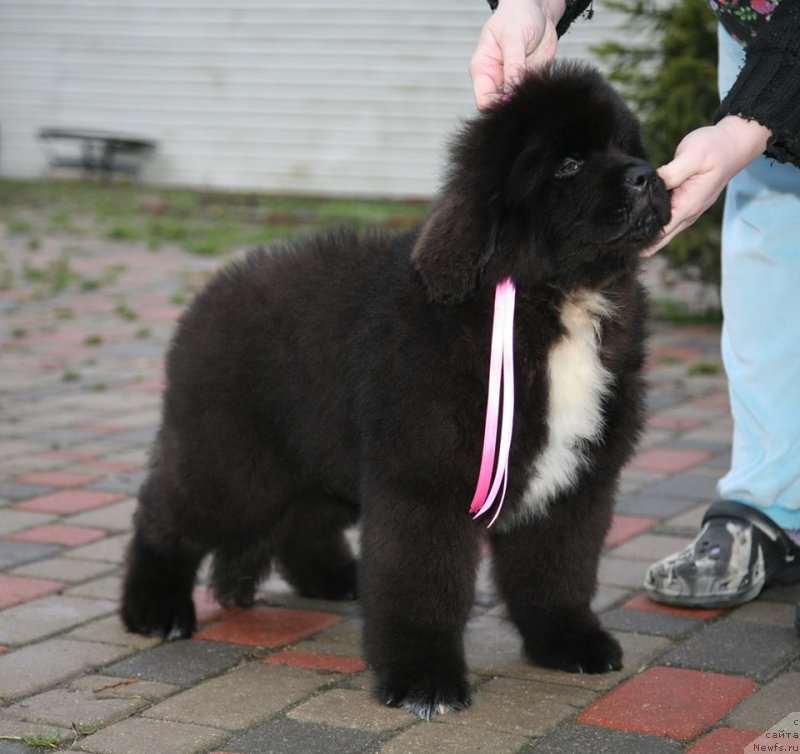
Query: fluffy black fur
x,y
346,375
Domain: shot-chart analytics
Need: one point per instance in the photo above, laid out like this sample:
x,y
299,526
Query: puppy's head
x,y
550,186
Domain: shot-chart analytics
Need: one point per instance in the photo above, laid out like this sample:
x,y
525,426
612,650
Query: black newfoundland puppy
x,y
345,376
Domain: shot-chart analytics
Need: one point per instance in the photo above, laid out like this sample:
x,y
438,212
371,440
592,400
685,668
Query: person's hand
x,y
704,162
520,36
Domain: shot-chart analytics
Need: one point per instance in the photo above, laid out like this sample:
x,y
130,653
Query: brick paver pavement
x,y
80,378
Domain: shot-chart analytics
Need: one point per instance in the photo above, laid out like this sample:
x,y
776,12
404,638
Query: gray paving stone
x,y
633,480
16,553
720,462
607,596
514,706
115,517
136,456
452,739
757,651
109,630
64,707
13,731
33,668
720,431
11,448
687,524
769,704
493,648
643,622
12,521
716,448
109,687
622,572
14,747
659,401
108,550
351,708
582,739
49,615
137,437
107,587
19,492
241,697
696,487
138,735
648,547
765,612
342,639
182,663
124,484
65,438
63,569
777,593
644,503
291,737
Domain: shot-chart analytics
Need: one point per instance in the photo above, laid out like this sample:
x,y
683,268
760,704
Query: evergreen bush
x,y
667,71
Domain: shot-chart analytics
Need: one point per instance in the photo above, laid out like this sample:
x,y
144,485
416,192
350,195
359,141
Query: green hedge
x,y
668,75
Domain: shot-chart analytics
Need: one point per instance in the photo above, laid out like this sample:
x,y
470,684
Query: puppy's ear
x,y
453,246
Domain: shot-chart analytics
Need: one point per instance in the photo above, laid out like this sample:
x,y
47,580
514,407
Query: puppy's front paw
x,y
592,651
150,616
425,693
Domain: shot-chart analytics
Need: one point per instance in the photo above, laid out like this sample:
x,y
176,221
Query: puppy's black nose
x,y
640,177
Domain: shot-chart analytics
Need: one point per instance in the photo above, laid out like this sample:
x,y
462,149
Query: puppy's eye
x,y
570,166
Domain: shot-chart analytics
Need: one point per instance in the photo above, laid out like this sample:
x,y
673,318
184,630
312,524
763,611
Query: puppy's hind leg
x,y
313,553
237,571
160,570
546,571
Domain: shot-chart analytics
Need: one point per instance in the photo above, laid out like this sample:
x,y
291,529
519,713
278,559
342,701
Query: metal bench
x,y
99,153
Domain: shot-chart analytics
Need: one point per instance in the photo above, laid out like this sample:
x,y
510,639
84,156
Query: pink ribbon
x,y
501,378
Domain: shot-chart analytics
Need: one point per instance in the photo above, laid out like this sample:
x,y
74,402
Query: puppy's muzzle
x,y
648,195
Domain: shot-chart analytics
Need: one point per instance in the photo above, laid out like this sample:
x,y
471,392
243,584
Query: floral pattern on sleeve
x,y
743,19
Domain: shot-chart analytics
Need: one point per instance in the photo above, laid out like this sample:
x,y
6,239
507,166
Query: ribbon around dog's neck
x,y
501,376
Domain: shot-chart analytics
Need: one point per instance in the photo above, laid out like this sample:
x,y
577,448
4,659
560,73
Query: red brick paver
x,y
92,462
314,661
57,479
645,604
268,626
677,423
670,702
625,527
60,630
17,589
70,501
59,534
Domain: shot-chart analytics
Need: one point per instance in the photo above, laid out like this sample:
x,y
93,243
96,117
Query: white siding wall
x,y
285,96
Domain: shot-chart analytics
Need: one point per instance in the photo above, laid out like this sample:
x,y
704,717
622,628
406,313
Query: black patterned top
x,y
743,19
767,89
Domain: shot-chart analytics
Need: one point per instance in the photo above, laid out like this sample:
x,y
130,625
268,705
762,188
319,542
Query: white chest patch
x,y
578,382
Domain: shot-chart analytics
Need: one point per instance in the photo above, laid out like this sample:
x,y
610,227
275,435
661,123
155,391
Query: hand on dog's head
x,y
551,186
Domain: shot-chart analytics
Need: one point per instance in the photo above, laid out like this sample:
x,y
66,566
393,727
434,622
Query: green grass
x,y
678,313
202,222
705,368
124,311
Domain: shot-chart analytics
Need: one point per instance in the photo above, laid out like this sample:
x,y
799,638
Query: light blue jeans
x,y
761,331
